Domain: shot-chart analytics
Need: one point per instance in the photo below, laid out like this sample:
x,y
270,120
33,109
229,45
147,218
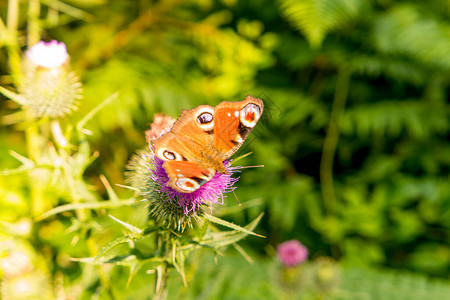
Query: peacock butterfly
x,y
202,138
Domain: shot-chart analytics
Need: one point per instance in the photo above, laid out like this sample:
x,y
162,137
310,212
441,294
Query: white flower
x,y
48,55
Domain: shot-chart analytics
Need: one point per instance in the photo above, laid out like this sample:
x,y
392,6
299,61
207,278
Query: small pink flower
x,y
292,253
48,55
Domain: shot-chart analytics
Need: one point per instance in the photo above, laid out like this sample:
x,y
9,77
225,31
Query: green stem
x,y
165,243
12,24
39,202
34,31
12,20
161,283
35,141
331,140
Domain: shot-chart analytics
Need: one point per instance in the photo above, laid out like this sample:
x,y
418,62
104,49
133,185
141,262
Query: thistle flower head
x,y
48,55
139,176
49,88
210,192
173,208
292,253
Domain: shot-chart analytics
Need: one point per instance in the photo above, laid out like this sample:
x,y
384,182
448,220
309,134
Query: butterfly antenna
x,y
241,157
248,167
235,196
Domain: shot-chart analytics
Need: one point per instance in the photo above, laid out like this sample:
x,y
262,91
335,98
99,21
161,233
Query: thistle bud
x,y
50,88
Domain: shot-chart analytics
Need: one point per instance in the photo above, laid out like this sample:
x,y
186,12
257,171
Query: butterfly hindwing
x,y
186,177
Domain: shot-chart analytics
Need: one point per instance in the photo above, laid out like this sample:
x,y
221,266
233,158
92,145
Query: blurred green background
x,y
354,139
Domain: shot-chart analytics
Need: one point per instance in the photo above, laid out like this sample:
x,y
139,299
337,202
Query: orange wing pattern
x,y
202,138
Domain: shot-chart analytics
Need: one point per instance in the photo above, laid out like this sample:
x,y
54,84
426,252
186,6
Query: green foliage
x,y
405,30
258,281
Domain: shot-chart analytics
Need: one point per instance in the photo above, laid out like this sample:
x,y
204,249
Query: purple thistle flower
x,y
292,253
190,203
210,192
172,208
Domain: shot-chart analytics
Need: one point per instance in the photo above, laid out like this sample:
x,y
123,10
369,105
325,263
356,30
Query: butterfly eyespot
x,y
206,121
250,115
187,184
169,155
205,118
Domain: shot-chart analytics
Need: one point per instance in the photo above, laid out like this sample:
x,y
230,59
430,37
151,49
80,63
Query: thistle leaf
x,y
94,205
221,239
134,268
11,95
111,193
114,243
130,227
178,262
243,253
95,110
234,226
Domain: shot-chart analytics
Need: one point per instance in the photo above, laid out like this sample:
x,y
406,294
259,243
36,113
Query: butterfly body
x,y
202,139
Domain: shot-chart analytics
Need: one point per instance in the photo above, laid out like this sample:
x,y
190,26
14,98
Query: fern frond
x,y
391,118
397,68
405,31
315,18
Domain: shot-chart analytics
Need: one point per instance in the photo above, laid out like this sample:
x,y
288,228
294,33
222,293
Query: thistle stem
x,y
12,16
35,142
39,203
12,46
161,283
165,243
34,9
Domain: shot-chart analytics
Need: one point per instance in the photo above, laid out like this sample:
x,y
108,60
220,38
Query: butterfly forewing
x,y
193,127
173,147
234,122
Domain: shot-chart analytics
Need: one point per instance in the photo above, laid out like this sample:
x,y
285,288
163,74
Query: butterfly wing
x,y
233,123
196,125
185,176
184,149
